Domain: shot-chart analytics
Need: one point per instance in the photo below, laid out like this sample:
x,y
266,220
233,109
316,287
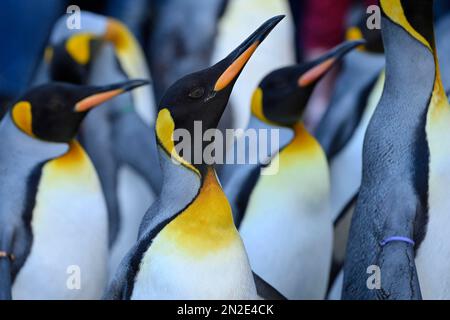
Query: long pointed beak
x,y
323,64
5,276
100,95
237,60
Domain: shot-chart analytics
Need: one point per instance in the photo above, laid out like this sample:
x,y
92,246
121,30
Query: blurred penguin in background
x,y
182,38
122,139
342,128
277,51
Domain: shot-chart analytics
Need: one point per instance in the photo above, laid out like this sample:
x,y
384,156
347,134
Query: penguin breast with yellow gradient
x,y
287,228
188,247
53,220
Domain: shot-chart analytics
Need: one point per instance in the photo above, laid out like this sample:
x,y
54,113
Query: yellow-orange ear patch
x,y
22,117
165,127
257,106
78,47
315,73
353,34
233,70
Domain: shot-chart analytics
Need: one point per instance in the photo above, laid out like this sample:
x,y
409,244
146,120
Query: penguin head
x,y
203,96
53,112
283,94
71,51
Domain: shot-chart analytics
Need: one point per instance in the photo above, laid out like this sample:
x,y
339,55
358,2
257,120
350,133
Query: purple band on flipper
x,y
396,238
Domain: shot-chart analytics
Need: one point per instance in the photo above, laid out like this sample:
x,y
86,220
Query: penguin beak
x,y
322,65
5,276
236,61
99,95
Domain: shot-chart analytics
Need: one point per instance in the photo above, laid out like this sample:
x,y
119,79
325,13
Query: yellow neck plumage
x,y
206,225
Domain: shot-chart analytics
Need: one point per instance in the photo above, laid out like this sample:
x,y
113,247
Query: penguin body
x,y
176,263
400,162
271,228
121,139
20,156
287,224
66,231
56,223
188,246
125,151
433,253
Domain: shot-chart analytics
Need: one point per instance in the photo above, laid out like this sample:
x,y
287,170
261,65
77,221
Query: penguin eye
x,y
197,93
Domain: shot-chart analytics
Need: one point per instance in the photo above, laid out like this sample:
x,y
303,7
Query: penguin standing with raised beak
x,y
53,219
120,137
189,247
399,228
287,227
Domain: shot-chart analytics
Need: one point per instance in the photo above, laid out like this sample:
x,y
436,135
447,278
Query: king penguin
x,y
53,219
287,227
189,247
120,137
399,225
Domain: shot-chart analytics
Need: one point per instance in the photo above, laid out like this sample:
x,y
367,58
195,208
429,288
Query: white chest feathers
x,y
287,228
198,255
69,249
433,256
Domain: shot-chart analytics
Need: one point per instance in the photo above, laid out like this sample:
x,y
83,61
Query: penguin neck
x,y
74,157
415,20
204,219
207,223
15,141
401,62
301,143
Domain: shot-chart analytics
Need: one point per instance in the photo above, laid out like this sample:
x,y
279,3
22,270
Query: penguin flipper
x,y
119,288
265,290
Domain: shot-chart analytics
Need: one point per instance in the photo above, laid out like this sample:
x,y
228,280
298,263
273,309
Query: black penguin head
x,y
70,59
283,94
54,111
203,96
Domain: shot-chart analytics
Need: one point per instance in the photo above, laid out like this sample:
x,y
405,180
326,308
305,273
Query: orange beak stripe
x,y
315,73
96,99
233,70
